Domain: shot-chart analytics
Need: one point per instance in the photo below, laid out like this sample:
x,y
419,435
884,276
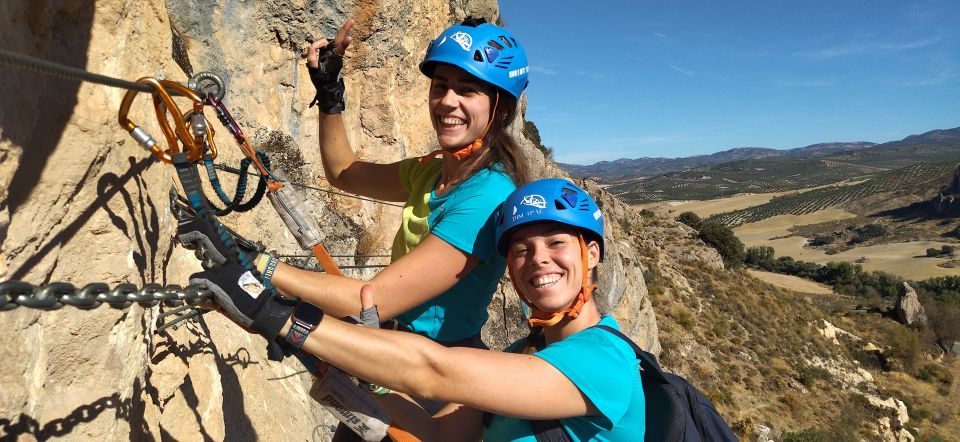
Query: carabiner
x,y
194,142
163,102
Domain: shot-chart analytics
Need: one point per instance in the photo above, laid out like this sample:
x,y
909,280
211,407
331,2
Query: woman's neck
x,y
454,171
589,316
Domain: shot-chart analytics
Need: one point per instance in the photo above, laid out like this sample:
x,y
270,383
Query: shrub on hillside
x,y
691,219
822,240
805,435
942,313
531,132
868,231
721,237
944,250
935,373
944,288
760,257
904,346
647,213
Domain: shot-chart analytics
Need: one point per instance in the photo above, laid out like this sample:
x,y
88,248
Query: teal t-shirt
x,y
464,218
606,371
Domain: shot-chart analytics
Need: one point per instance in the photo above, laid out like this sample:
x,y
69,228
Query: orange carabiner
x,y
195,143
138,134
163,102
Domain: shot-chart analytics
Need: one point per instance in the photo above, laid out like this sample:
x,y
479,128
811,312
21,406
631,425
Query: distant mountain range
x,y
625,169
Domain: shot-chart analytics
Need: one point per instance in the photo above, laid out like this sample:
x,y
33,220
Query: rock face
x,y
908,310
947,202
81,202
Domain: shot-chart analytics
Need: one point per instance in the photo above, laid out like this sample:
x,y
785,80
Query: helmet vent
x,y
507,42
559,205
496,45
477,56
570,196
492,53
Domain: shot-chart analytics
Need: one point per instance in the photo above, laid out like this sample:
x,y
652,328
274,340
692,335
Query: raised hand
x,y
325,63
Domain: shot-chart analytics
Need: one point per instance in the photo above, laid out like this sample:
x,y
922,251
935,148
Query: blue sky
x,y
630,79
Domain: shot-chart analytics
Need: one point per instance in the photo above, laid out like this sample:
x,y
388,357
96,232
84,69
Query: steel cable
x,y
22,61
235,171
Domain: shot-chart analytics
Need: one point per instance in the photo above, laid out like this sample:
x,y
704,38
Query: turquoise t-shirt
x,y
606,371
464,218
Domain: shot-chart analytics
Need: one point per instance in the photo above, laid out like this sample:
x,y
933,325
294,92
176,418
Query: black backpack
x,y
676,410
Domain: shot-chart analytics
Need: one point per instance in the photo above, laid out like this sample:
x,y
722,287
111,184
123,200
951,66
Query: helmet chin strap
x,y
539,318
465,151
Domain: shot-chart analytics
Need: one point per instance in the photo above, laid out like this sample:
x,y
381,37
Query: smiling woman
x,y
446,229
574,370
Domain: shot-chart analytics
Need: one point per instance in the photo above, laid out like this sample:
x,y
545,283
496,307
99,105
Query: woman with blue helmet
x,y
477,72
551,233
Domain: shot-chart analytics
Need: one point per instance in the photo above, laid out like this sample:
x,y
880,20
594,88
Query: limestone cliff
x,y
80,202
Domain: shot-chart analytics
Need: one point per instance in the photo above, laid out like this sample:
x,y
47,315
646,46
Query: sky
x,y
630,79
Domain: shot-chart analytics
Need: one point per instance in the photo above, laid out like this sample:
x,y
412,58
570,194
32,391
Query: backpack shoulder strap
x,y
651,368
665,415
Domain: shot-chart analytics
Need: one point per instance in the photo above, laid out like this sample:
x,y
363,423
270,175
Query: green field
x,y
915,179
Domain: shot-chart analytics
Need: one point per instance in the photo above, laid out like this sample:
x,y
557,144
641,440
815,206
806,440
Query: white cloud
x,y
658,35
683,71
812,82
943,77
866,47
593,75
543,70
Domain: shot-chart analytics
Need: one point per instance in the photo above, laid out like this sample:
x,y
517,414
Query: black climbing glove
x,y
199,235
245,300
326,78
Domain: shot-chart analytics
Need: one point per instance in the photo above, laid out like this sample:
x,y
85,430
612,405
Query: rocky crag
x,y
81,202
947,202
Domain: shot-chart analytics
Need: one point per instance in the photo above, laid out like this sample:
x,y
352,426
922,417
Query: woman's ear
x,y
593,253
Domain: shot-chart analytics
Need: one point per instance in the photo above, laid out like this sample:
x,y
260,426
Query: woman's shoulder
x,y
593,346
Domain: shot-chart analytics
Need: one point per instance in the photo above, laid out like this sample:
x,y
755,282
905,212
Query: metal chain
x,y
55,295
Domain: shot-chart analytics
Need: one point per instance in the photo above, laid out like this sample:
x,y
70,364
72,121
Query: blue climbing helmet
x,y
486,51
550,199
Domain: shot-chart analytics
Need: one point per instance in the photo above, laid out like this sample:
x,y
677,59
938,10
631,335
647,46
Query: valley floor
x,y
906,259
793,283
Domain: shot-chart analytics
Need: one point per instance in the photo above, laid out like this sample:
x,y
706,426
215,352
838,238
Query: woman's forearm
x,y
400,361
321,289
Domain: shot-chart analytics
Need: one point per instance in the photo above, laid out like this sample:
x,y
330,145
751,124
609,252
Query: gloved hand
x,y
199,235
326,78
324,63
245,300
